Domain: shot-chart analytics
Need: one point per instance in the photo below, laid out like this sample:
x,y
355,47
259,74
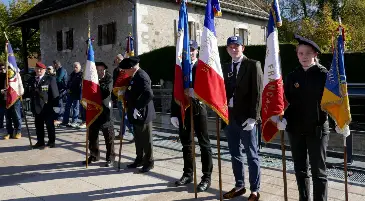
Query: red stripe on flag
x,y
179,95
273,104
91,94
209,87
11,97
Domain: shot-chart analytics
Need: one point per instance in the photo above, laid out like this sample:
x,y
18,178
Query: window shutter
x,y
114,32
245,37
100,35
59,41
175,30
236,31
70,40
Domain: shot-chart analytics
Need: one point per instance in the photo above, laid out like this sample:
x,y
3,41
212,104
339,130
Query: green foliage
x,y
9,14
160,63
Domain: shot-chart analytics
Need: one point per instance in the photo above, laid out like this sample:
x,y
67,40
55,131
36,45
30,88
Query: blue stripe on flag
x,y
90,53
186,61
274,18
11,58
209,16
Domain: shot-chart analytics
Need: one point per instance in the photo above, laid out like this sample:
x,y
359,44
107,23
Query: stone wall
x,y
98,13
157,25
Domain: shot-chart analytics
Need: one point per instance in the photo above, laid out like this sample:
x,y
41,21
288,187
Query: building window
x,y
107,34
69,39
243,33
192,31
59,41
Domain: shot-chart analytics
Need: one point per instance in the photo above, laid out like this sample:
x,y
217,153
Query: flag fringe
x,y
214,108
97,106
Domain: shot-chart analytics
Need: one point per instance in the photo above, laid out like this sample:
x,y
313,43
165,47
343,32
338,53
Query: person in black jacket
x,y
243,83
2,94
74,86
104,121
44,104
306,124
201,131
140,111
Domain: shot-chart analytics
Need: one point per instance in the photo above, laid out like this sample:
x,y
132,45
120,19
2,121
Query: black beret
x,y
101,64
128,63
305,41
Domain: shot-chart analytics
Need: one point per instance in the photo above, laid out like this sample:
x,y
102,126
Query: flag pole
x,y
283,158
193,145
219,157
87,130
6,65
344,137
121,136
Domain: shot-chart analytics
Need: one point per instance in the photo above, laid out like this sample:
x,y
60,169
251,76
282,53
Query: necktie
x,y
235,70
37,81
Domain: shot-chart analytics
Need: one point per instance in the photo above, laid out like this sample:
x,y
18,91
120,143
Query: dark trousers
x,y
45,117
2,114
14,117
315,147
144,143
201,132
108,132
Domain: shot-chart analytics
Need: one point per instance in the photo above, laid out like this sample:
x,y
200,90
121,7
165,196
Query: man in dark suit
x,y
104,121
243,81
201,131
44,104
140,111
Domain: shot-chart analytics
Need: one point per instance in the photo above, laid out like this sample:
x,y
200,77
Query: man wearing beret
x,y
201,130
243,82
140,111
44,104
104,121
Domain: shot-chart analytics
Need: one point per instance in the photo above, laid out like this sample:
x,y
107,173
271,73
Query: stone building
x,y
63,25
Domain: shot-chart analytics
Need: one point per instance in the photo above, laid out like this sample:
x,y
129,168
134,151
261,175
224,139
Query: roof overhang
x,y
36,18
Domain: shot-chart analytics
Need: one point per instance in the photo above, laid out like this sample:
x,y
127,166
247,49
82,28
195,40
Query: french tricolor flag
x,y
273,100
91,94
209,82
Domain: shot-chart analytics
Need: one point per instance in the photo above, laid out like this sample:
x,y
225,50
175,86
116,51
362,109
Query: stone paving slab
x,y
57,174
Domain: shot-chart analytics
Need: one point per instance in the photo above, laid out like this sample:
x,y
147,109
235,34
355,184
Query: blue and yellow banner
x,y
335,100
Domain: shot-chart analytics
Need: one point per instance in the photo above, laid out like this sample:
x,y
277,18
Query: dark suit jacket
x,y
139,96
44,95
197,107
2,86
247,100
106,86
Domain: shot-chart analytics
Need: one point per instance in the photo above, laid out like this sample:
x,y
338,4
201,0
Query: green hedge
x,y
160,63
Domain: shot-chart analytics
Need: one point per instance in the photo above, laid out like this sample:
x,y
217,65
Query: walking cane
x,y
193,145
283,158
219,158
26,123
345,167
121,137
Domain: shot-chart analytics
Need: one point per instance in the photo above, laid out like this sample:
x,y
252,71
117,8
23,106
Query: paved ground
x,y
57,174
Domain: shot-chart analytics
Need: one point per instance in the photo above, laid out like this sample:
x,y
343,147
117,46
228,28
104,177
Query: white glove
x,y
136,114
121,92
345,131
175,122
56,109
189,92
280,124
3,91
249,124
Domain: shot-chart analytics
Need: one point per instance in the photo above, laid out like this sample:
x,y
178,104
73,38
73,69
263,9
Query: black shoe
x,y
203,185
134,165
109,163
183,181
234,193
51,145
38,145
147,168
90,160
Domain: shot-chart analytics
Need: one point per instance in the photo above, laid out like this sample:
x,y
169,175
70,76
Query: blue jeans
x,y
2,115
126,122
240,141
83,113
75,110
13,116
